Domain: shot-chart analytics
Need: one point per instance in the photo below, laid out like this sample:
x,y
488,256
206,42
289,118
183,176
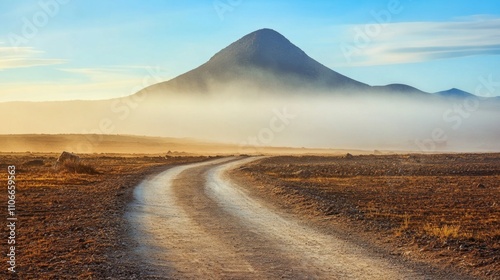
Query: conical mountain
x,y
263,59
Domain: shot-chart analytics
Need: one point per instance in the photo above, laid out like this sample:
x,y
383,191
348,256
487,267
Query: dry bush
x,y
414,200
78,167
444,232
405,225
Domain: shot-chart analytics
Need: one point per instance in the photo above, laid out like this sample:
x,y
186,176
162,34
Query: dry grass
x,y
79,167
71,221
405,225
444,205
445,232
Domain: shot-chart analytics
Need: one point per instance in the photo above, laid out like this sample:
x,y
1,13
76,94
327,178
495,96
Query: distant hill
x,y
454,93
400,89
133,144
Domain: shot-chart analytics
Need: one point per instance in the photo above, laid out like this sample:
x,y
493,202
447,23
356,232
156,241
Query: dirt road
x,y
192,222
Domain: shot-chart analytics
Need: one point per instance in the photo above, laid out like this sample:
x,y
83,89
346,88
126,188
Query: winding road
x,y
192,222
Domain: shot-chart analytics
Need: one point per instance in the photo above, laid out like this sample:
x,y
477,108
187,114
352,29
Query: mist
x,y
249,118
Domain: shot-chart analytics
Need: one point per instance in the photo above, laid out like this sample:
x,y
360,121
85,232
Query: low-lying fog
x,y
316,121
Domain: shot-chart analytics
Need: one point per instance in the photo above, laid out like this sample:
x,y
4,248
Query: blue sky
x,y
69,49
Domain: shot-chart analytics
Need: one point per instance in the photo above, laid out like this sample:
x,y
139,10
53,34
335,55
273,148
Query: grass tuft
x,y
78,167
444,232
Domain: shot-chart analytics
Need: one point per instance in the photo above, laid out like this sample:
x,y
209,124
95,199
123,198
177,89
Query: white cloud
x,y
25,62
23,57
120,72
86,84
141,76
421,41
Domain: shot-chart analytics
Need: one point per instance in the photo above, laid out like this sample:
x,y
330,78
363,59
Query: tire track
x,y
323,256
193,223
251,247
170,240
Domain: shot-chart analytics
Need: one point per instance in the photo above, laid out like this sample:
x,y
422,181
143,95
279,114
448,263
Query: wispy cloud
x,y
24,62
424,41
107,72
86,83
119,75
23,57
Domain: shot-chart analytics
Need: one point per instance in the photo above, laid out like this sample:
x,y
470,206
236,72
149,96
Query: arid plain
x,y
430,212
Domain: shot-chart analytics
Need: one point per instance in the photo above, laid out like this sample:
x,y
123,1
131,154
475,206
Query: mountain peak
x,y
258,40
454,93
264,48
264,59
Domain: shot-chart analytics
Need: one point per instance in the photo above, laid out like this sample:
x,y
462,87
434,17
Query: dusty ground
x,y
439,209
123,144
72,225
194,222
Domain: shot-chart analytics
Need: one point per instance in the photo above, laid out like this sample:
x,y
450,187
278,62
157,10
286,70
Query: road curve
x,y
192,222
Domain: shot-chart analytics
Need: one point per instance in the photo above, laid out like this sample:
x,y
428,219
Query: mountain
x,y
264,59
289,84
400,89
454,93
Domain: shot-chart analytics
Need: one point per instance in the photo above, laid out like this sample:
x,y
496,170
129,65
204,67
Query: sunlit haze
x,y
390,75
